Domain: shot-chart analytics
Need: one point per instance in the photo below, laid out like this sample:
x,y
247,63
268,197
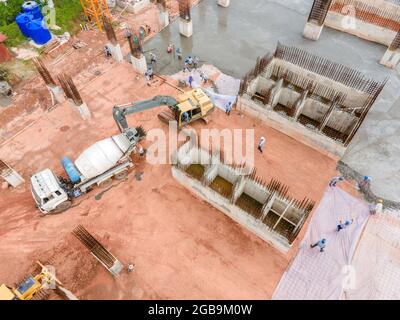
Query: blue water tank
x,y
38,31
32,8
22,20
71,170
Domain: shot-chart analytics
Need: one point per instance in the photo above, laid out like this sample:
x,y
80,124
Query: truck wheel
x,y
121,175
106,183
63,206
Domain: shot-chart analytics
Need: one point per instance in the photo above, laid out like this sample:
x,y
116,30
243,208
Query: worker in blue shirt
x,y
190,80
335,180
344,225
321,244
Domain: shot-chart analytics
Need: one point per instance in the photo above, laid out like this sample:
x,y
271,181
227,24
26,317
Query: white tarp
x,y
377,260
227,86
324,275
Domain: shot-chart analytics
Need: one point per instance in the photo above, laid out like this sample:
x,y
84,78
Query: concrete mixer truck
x,y
100,163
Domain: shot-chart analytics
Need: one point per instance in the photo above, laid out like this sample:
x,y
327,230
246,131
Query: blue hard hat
x,y
347,223
323,240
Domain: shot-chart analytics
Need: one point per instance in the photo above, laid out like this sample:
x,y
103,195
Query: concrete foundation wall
x,y
360,29
312,31
288,97
255,191
232,211
354,97
290,127
314,109
262,83
227,174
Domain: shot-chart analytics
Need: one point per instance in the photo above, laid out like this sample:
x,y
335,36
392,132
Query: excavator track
x,y
41,295
166,117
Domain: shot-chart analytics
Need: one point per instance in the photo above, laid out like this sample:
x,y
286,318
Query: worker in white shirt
x,y
378,208
261,144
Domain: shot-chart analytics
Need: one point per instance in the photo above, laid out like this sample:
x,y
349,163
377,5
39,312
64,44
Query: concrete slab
x,y
232,38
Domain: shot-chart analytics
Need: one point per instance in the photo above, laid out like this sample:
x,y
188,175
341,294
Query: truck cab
x,y
48,193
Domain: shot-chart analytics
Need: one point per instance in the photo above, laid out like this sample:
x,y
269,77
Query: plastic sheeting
x,y
376,261
324,275
227,87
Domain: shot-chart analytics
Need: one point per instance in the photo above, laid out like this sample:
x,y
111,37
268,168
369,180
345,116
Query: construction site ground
x,y
182,248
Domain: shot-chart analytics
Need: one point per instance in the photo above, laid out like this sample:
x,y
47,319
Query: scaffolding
x,y
96,11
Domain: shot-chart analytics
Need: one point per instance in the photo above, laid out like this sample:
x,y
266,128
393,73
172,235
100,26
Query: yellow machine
x,y
191,106
32,288
187,108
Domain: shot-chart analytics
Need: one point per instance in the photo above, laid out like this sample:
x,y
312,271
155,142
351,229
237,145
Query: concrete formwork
x,y
264,209
372,20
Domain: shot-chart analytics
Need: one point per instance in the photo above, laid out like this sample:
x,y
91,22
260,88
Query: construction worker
x,y
153,58
185,117
190,61
378,208
131,267
190,80
150,73
170,48
179,53
335,180
107,51
261,144
127,33
228,108
147,76
140,150
364,184
344,225
186,67
321,244
196,62
203,77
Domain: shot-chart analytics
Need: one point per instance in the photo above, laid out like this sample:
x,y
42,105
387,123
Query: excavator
x,y
34,288
187,108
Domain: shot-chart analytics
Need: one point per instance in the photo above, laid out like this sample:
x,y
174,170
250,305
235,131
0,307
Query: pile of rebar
x,y
261,64
43,71
69,88
184,9
396,42
95,247
319,11
109,30
382,17
135,45
335,71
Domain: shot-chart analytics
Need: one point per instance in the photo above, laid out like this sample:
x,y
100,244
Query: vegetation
x,y
68,13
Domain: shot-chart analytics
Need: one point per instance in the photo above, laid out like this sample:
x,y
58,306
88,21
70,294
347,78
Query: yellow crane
x,y
96,11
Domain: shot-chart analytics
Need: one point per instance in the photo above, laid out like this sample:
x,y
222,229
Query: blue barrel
x,y
22,21
38,31
32,8
71,170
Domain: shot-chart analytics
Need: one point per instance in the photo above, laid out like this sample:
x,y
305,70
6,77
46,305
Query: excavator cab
x,y
191,106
